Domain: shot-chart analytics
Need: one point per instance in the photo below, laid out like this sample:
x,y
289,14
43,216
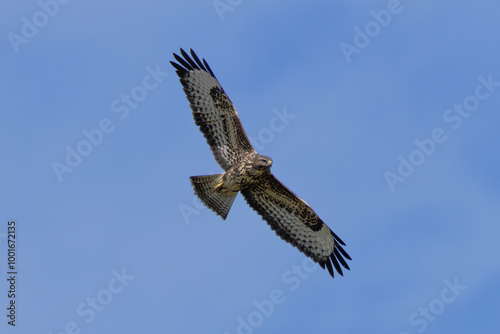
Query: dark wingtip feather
x,y
208,67
329,266
343,252
337,257
189,60
336,264
181,71
340,259
198,61
189,63
338,239
183,62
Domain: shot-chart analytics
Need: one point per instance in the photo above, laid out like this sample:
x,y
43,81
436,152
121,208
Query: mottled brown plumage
x,y
248,172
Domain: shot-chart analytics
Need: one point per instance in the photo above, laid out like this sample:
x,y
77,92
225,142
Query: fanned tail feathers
x,y
204,187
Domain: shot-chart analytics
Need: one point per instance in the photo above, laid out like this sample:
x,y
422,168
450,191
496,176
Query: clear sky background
x,y
390,133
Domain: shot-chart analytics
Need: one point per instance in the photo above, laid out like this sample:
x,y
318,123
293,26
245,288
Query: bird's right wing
x,y
212,109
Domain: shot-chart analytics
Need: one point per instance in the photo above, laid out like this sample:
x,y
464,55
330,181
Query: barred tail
x,y
204,187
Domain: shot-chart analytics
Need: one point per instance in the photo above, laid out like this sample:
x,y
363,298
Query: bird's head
x,y
263,162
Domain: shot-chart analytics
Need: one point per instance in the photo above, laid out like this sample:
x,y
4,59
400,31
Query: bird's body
x,y
248,172
244,173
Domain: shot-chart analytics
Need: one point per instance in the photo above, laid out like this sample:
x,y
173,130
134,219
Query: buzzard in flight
x,y
249,172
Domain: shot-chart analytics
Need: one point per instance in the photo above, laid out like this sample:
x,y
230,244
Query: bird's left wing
x,y
295,222
212,109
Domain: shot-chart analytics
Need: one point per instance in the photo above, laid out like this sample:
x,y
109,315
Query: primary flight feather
x,y
248,172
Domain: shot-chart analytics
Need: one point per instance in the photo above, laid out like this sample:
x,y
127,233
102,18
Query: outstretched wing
x,y
295,222
213,111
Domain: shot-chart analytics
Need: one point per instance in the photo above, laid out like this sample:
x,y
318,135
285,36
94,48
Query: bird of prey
x,y
248,172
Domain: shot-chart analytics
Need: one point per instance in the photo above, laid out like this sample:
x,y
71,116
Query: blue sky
x,y
390,134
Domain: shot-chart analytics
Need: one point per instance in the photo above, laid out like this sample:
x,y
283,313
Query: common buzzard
x,y
249,172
